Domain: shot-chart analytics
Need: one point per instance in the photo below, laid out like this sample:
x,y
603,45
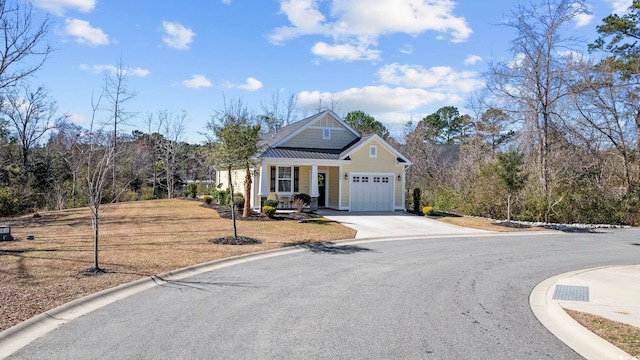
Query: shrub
x,y
238,201
428,210
268,211
271,202
416,200
8,202
192,190
299,205
207,199
306,199
220,196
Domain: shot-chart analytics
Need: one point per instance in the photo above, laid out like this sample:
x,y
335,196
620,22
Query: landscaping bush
x,y
271,202
220,196
428,210
305,198
192,190
268,211
207,199
238,201
416,200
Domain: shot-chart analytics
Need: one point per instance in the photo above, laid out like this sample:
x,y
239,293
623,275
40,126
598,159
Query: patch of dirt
x,y
94,272
230,240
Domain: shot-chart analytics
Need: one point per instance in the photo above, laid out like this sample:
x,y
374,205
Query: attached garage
x,y
372,192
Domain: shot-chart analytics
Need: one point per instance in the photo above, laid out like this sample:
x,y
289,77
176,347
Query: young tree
x,y
510,175
170,144
236,140
366,124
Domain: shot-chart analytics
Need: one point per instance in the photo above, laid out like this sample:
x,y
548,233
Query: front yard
x,y
137,239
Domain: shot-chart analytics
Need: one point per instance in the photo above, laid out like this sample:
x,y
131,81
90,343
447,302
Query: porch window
x,y
285,179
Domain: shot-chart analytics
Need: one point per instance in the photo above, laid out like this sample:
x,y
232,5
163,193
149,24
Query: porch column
x,y
263,189
314,193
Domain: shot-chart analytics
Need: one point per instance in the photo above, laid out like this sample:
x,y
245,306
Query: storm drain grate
x,y
571,293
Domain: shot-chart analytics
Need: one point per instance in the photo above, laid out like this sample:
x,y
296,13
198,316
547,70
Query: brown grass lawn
x,y
137,239
625,337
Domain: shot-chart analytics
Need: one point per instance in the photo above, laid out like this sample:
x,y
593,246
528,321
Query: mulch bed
x,y
225,212
512,225
240,240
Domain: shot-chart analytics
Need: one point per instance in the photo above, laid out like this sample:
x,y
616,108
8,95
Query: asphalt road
x,y
435,298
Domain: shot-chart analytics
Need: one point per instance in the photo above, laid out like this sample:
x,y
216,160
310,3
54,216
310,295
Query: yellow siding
x,y
385,162
237,178
333,182
312,138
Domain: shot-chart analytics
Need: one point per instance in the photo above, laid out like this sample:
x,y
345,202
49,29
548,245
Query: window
x,y
272,183
376,179
365,179
326,134
385,179
356,179
284,179
373,151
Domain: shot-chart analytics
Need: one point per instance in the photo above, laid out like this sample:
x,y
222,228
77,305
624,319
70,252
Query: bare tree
x,y
172,129
23,49
537,78
31,114
278,112
117,94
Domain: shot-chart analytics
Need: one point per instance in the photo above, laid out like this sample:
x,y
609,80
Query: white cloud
x,y
438,78
377,99
472,60
84,33
77,118
345,52
176,35
197,81
99,68
226,2
407,49
362,22
251,84
58,7
585,15
620,6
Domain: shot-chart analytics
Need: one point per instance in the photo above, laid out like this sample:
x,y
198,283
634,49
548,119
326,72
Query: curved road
x,y
432,298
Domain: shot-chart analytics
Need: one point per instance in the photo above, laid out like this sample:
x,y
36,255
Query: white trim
x,y
381,142
304,162
326,133
291,180
326,187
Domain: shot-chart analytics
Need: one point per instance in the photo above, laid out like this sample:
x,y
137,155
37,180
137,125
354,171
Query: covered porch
x,y
282,180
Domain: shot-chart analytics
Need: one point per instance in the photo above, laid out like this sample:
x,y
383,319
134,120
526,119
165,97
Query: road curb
x,y
564,327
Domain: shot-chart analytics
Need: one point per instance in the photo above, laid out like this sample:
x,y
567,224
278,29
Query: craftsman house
x,y
324,157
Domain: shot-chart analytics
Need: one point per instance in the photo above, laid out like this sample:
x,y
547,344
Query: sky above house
x,y
396,60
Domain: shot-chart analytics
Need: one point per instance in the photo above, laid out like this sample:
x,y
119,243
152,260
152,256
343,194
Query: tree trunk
x,y
247,192
233,206
96,226
509,208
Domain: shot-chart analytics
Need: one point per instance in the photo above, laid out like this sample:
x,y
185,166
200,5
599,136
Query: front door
x,y
321,189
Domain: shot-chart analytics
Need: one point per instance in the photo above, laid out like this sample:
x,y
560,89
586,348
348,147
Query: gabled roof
x,y
275,138
368,139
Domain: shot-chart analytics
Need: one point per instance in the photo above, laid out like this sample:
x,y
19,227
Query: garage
x,y
372,192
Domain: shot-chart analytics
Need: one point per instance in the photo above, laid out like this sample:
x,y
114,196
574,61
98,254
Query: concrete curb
x,y
564,327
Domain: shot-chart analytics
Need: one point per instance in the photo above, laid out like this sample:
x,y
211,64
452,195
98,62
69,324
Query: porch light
x,y
346,176
399,177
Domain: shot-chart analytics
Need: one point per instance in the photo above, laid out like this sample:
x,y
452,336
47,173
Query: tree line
x,y
552,137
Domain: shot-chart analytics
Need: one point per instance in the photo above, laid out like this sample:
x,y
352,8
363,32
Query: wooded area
x,y
552,137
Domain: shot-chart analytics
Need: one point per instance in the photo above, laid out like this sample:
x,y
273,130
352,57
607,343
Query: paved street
x,y
447,298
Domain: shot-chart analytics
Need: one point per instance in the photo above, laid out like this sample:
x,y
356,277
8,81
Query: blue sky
x,y
397,60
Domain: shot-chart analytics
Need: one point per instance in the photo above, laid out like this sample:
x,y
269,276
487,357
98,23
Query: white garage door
x,y
371,192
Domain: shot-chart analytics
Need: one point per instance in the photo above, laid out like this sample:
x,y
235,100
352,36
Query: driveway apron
x,y
395,224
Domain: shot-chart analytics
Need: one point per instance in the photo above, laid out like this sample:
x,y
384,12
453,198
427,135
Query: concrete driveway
x,y
395,224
